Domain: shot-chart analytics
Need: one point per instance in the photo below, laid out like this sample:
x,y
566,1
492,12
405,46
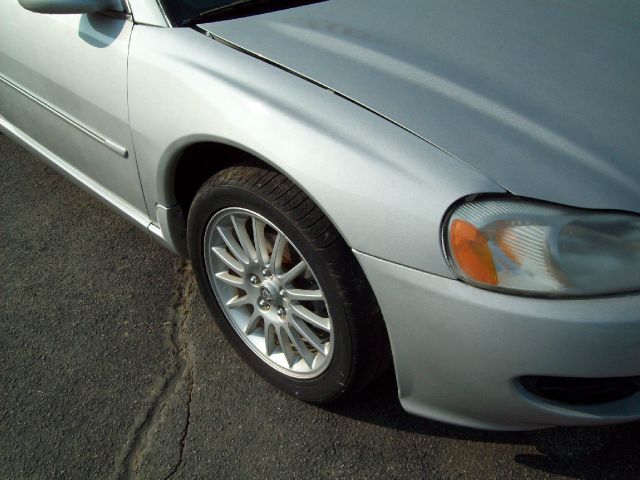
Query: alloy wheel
x,y
268,292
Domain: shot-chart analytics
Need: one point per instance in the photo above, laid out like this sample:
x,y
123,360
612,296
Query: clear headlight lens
x,y
537,248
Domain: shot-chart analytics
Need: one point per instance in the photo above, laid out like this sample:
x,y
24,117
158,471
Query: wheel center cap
x,y
266,296
269,292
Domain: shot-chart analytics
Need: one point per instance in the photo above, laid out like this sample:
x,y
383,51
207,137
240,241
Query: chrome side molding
x,y
108,143
169,230
122,207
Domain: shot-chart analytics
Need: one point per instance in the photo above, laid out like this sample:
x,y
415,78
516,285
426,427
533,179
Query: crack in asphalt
x,y
185,431
182,368
183,346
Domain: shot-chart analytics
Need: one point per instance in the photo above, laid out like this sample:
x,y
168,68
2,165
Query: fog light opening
x,y
581,391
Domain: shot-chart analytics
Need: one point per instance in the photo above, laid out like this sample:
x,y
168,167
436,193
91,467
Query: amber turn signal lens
x,y
471,252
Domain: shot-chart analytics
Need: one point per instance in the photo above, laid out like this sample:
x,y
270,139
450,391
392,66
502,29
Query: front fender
x,y
384,189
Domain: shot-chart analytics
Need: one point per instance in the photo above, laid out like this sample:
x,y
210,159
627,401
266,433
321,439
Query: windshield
x,y
189,12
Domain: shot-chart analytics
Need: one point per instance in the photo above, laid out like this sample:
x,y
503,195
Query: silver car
x,y
451,188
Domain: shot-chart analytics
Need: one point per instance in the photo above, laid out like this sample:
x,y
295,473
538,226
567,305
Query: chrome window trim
x,y
148,12
164,14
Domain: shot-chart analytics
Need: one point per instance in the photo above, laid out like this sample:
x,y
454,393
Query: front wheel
x,y
283,286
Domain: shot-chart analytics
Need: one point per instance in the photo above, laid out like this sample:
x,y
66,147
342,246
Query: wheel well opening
x,y
199,162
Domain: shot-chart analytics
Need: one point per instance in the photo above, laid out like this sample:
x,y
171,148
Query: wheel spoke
x,y
307,333
269,338
305,295
229,279
253,322
228,259
240,227
294,272
278,251
232,244
285,345
238,301
314,319
260,241
301,347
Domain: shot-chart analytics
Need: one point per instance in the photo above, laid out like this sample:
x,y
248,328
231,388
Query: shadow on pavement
x,y
577,452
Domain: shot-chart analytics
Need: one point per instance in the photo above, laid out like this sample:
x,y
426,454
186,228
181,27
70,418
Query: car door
x,y
63,85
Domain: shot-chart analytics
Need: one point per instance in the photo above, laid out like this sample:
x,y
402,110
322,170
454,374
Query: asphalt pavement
x,y
111,367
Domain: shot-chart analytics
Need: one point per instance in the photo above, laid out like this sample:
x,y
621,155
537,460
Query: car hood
x,y
543,97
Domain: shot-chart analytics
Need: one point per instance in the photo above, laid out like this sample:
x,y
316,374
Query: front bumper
x,y
458,350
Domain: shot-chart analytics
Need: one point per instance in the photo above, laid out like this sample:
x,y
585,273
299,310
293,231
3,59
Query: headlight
x,y
537,248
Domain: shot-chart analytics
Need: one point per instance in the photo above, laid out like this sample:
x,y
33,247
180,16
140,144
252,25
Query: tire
x,y
350,347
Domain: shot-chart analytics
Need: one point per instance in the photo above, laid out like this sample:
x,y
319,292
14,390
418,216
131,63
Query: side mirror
x,y
71,6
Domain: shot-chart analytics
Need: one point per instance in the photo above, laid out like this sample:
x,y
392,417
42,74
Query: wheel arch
x,y
187,164
196,162
191,165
